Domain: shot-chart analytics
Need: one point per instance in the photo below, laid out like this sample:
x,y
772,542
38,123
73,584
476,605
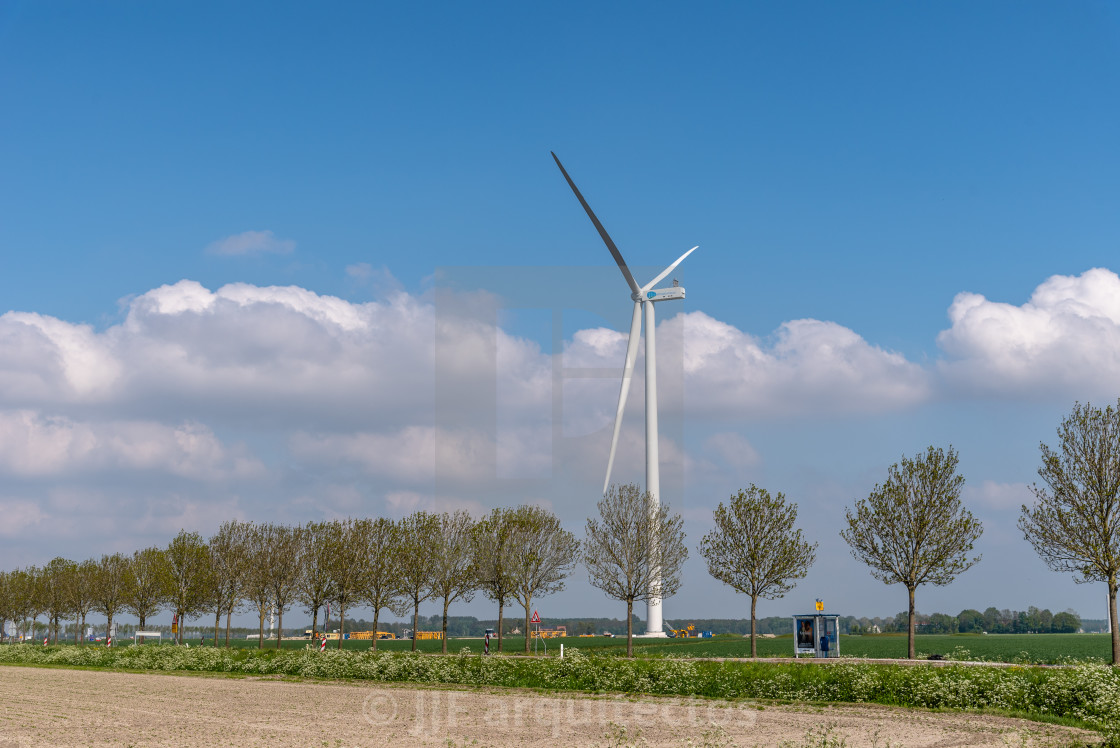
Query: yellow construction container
x,y
559,632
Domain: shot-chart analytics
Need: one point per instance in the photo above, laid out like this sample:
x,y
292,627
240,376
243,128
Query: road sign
x,y
536,617
820,606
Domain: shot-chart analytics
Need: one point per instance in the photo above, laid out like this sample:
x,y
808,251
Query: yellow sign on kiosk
x,y
820,606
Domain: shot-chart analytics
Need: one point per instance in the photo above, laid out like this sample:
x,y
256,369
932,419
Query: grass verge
x,y
1088,694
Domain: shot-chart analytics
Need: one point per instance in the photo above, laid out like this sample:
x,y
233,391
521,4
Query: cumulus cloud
x,y
411,455
47,359
806,367
1065,339
251,243
34,445
345,408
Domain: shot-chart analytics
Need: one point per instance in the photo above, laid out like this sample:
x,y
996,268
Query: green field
x,y
1023,648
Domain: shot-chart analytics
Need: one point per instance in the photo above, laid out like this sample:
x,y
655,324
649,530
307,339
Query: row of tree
x,y
633,551
912,530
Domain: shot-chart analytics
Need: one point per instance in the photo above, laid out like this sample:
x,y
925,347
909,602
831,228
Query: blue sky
x,y
847,170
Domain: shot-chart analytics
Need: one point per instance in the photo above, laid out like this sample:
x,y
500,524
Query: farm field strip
x,y
52,707
1014,648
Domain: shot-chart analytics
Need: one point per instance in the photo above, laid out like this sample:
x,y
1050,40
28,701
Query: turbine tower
x,y
644,297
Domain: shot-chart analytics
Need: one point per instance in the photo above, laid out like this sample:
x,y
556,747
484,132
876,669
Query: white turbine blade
x,y
627,372
667,270
602,231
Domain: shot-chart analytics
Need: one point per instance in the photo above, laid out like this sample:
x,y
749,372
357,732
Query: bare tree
x,y
419,533
636,552
229,559
382,585
453,576
315,582
1075,523
913,529
111,587
349,567
145,594
756,549
284,571
188,580
493,551
544,554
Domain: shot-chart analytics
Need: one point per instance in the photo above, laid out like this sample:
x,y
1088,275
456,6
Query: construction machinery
x,y
688,632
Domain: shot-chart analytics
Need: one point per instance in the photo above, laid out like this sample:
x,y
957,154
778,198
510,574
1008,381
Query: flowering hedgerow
x,y
1088,692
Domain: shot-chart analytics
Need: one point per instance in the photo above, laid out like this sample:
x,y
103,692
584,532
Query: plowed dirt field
x,y
56,707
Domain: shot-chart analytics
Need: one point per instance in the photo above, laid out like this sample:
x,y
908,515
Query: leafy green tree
x,y
913,529
56,580
494,553
229,562
940,623
545,555
635,550
1066,622
349,565
992,620
1074,524
453,574
257,587
5,602
970,620
756,549
188,580
145,593
315,582
284,570
82,594
419,534
382,586
111,588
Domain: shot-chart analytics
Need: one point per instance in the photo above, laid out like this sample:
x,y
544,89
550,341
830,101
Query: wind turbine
x,y
644,298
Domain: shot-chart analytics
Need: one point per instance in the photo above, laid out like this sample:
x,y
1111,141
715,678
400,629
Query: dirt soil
x,y
56,707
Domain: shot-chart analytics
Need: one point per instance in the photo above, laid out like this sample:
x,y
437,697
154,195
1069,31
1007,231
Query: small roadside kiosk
x,y
816,634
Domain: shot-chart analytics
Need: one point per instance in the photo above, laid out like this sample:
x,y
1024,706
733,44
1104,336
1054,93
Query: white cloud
x,y
46,359
998,496
1065,340
808,367
415,454
20,516
251,243
733,449
34,445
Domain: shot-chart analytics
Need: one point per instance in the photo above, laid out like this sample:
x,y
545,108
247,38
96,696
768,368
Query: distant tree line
x,y
991,621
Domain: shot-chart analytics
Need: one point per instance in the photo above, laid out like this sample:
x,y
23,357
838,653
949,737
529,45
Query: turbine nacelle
x,y
661,294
